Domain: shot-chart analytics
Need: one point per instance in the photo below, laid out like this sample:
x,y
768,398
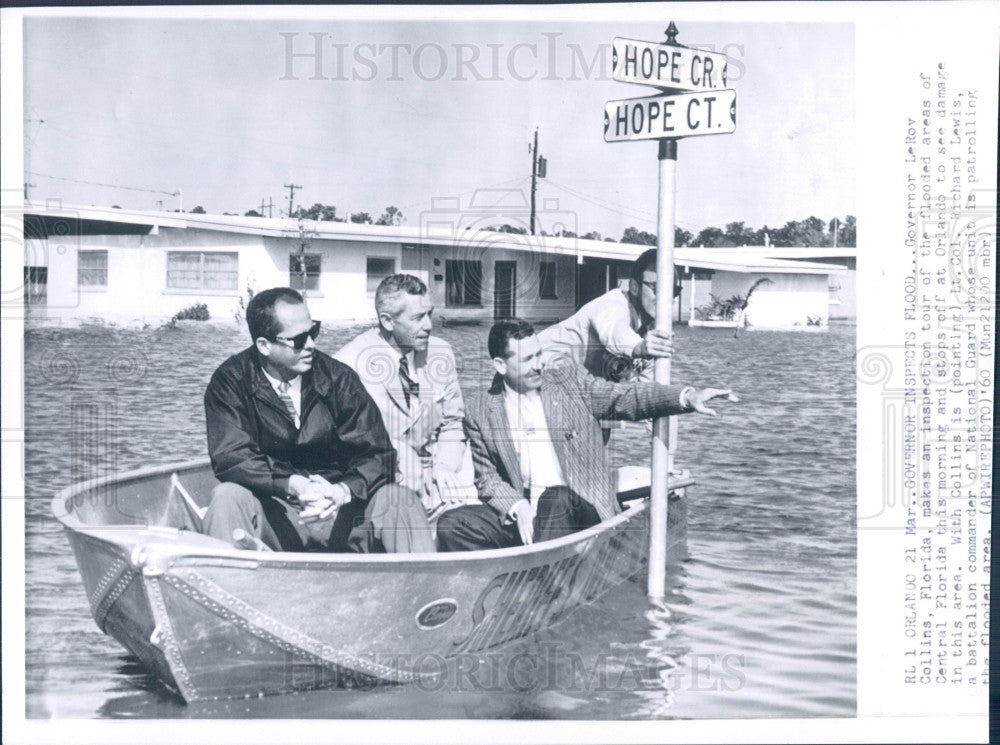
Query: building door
x,y
592,280
504,282
36,286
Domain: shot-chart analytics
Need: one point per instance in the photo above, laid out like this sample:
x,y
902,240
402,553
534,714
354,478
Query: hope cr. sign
x,y
667,66
681,115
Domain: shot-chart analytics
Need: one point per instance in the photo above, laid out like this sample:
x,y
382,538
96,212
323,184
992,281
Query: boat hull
x,y
216,622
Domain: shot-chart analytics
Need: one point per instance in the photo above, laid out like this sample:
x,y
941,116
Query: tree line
x,y
812,231
327,213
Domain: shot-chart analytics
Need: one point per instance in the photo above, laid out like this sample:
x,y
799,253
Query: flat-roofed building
x,y
143,267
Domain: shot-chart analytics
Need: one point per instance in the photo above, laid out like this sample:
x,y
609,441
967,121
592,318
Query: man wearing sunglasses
x,y
299,447
612,336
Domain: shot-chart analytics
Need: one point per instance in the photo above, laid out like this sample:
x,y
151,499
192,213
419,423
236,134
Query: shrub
x,y
196,312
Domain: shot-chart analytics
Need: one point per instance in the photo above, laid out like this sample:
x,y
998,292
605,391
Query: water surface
x,y
760,620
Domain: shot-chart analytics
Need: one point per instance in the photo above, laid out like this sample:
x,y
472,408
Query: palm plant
x,y
718,309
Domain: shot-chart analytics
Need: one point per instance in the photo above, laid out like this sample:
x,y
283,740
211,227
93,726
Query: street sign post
x,y
671,116
695,101
668,66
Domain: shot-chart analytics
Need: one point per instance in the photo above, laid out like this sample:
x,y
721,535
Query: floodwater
x,y
760,619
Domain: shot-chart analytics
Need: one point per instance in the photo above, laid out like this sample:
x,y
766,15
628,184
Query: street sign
x,y
668,66
670,116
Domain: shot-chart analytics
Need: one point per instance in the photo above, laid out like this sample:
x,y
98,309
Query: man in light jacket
x,y
412,377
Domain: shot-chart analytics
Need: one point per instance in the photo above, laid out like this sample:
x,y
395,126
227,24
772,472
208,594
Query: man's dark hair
x,y
503,331
645,263
260,311
390,288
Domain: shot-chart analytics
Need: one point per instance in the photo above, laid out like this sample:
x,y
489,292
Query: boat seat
x,y
192,511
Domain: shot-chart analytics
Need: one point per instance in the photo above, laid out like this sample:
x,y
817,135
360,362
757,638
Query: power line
x,y
109,186
603,205
637,215
514,182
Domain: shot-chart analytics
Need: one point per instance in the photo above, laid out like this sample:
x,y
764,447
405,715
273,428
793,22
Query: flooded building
x,y
127,266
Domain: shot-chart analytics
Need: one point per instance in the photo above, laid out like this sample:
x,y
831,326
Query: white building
x,y
133,267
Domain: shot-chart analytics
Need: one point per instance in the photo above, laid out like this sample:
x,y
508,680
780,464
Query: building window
x,y
379,269
202,270
547,280
463,283
92,269
36,279
304,271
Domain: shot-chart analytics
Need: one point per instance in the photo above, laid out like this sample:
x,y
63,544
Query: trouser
x,y
393,520
560,511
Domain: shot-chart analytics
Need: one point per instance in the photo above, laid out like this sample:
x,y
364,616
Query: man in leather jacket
x,y
299,447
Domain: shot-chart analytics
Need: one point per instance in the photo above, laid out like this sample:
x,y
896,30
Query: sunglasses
x,y
298,342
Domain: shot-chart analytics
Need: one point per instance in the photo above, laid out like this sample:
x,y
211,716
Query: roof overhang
x,y
749,260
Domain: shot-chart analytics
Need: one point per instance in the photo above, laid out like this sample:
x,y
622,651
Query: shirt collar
x,y
296,382
410,356
512,397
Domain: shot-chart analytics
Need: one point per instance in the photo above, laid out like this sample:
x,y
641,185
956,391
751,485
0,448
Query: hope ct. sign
x,y
680,115
667,66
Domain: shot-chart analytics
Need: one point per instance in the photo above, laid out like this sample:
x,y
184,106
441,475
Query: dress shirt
x,y
539,462
294,392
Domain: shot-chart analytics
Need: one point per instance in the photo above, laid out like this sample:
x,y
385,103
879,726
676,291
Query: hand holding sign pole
x,y
694,102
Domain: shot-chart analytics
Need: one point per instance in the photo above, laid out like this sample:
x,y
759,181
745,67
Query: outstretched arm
x,y
633,401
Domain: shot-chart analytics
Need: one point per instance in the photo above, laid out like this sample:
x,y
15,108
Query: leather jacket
x,y
252,438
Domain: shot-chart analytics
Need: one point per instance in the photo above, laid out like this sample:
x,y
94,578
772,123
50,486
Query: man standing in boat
x,y
412,377
541,466
299,446
612,336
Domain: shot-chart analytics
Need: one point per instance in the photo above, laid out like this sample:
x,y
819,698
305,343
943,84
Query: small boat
x,y
213,621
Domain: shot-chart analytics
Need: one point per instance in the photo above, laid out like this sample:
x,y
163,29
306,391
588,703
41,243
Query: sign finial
x,y
671,33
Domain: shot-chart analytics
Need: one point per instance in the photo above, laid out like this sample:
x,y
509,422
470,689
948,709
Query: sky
x,y
428,116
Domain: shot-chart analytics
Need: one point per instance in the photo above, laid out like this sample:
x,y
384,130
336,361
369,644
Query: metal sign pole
x,y
664,428
693,101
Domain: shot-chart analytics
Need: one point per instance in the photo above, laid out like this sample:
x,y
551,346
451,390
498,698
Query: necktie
x,y
410,386
283,387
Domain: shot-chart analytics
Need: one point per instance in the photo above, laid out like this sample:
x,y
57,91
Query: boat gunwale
x,y
184,552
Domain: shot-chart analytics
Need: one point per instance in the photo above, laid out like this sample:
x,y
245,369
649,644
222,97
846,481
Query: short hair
x,y
261,318
645,263
505,330
390,288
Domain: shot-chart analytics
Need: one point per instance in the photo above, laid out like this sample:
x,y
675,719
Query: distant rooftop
x,y
444,231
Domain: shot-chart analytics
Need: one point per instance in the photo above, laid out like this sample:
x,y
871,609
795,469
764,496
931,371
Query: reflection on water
x,y
759,620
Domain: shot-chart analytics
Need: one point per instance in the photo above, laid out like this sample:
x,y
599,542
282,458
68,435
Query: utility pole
x,y
538,169
291,196
836,229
